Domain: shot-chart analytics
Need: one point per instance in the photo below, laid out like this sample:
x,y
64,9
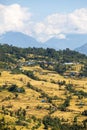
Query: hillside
x,y
42,89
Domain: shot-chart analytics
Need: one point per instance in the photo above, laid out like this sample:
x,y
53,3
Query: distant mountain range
x,y
82,49
19,39
72,41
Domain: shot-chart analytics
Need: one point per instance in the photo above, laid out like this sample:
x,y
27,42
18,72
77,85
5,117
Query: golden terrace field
x,y
41,97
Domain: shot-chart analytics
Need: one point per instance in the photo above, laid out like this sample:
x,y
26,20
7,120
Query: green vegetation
x,y
65,104
10,56
15,88
30,74
55,124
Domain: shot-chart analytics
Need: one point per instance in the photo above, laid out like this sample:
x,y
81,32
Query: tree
x,y
60,68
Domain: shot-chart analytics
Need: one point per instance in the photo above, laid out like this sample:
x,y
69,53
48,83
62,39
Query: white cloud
x,y
79,20
17,18
58,25
13,18
61,36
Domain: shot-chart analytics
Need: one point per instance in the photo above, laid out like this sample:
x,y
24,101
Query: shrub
x,y
65,104
15,88
84,113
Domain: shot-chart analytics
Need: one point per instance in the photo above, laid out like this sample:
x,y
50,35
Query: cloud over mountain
x,y
17,18
58,25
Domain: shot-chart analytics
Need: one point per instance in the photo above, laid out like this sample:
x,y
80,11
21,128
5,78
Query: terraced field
x,y
25,101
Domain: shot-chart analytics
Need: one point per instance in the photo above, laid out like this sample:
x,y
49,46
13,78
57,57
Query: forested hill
x,y
10,53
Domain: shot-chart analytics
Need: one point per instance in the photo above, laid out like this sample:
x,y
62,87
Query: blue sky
x,y
44,19
43,8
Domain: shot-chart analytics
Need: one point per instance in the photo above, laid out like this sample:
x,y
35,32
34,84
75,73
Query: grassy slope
x,y
31,98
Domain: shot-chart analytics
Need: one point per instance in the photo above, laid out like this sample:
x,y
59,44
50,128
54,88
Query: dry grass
x,y
32,98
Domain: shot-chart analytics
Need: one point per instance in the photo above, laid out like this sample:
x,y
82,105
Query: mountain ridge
x,y
72,41
82,49
19,39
